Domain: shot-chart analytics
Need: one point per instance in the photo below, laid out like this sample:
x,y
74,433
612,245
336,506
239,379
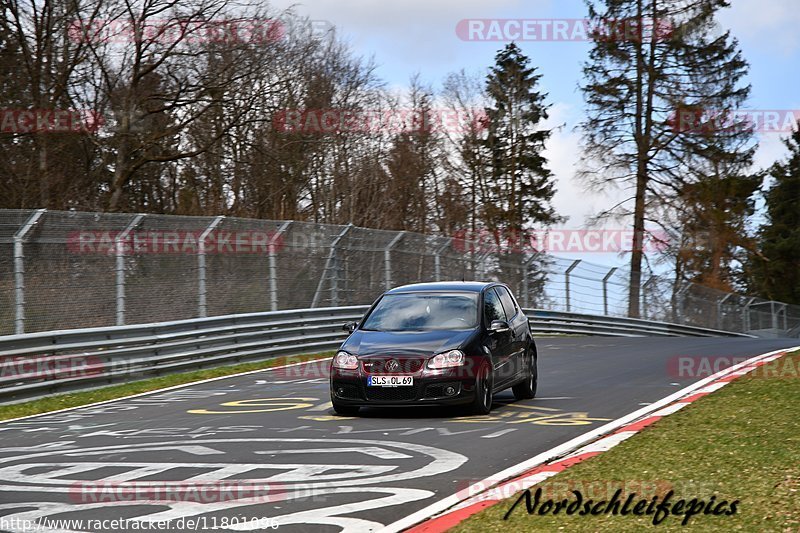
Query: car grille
x,y
436,390
406,365
349,391
391,394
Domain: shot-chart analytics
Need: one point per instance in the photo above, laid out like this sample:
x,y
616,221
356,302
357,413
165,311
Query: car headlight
x,y
345,361
447,359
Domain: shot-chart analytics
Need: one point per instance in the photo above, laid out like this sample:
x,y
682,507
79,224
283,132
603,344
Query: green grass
x,y
739,443
74,399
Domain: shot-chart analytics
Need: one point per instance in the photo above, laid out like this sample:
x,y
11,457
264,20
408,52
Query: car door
x,y
519,329
498,343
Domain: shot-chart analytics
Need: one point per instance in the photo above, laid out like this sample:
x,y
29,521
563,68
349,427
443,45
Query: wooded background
x,y
188,94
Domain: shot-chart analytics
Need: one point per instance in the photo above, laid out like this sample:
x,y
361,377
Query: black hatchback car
x,y
450,343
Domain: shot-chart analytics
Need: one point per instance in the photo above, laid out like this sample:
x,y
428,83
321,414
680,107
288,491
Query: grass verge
x,y
739,443
75,399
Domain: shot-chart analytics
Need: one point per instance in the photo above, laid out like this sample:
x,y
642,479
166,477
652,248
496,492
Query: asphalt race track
x,y
265,450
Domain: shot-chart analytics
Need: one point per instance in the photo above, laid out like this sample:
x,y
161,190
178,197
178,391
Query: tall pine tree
x,y
775,271
708,166
520,186
638,77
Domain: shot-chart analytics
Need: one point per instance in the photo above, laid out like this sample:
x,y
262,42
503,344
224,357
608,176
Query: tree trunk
x,y
641,184
638,240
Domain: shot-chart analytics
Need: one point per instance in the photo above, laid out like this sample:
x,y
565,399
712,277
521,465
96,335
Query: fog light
x,y
340,391
449,391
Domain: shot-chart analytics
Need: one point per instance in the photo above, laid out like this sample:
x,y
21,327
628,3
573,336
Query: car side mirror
x,y
499,326
349,327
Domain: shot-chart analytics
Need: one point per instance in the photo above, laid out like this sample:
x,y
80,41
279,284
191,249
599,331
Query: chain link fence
x,y
63,270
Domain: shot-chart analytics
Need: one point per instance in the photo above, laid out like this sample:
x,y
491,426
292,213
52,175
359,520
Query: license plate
x,y
390,381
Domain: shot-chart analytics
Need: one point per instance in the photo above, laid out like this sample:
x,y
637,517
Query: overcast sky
x,y
419,36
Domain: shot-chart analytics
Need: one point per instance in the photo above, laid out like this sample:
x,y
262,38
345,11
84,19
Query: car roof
x,y
449,286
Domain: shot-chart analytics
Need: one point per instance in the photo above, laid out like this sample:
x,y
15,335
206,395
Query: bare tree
x,y
643,68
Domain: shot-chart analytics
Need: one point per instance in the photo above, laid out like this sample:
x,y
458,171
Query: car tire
x,y
526,390
482,403
345,410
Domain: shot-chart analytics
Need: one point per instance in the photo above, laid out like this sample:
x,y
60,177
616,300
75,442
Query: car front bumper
x,y
349,387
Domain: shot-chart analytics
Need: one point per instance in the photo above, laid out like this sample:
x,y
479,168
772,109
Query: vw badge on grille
x,y
392,366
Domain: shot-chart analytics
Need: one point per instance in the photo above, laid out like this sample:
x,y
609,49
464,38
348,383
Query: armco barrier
x,y
37,364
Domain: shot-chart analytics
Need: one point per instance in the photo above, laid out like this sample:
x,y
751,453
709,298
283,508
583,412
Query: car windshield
x,y
424,311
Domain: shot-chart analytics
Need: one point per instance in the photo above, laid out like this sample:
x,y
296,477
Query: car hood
x,y
406,342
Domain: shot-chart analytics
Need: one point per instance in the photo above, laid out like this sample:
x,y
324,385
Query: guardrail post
x,y
387,260
273,266
566,280
328,263
437,260
120,253
605,289
19,271
202,308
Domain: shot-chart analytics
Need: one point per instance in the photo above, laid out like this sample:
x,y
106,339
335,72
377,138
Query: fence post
x,y
566,280
645,285
525,281
785,310
202,310
328,263
273,266
387,260
481,262
120,253
19,270
775,309
746,315
437,259
680,299
605,289
720,303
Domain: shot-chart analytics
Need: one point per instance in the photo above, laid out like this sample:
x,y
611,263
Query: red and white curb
x,y
446,513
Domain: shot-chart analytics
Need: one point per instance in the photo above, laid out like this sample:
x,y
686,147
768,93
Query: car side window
x,y
507,301
492,307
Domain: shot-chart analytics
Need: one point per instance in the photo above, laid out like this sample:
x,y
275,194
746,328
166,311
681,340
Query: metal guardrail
x,y
558,322
37,364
